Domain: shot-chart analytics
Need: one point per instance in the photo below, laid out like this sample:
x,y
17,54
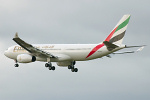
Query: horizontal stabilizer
x,y
134,46
140,49
109,45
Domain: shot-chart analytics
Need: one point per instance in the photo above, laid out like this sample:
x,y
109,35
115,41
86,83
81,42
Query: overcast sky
x,y
122,77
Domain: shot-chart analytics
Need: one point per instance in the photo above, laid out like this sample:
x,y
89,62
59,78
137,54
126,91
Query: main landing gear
x,y
49,65
73,69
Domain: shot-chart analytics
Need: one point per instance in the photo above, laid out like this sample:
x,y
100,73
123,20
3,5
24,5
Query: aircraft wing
x,y
33,50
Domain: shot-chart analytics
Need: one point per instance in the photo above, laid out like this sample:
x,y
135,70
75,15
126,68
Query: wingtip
x,y
16,35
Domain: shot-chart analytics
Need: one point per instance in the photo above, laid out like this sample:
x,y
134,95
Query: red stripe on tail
x,y
101,45
111,34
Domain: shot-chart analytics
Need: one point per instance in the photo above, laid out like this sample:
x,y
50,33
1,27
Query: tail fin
x,y
117,34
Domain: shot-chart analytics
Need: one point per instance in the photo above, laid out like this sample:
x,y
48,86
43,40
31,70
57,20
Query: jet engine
x,y
25,58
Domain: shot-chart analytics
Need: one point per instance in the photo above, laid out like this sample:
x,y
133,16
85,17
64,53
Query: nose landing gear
x,y
16,65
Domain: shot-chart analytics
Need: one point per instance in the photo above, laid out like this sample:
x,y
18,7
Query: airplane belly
x,y
78,55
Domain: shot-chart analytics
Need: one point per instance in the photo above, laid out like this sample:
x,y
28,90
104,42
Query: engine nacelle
x,y
25,58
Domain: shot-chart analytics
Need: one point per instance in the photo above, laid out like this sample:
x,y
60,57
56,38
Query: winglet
x,y
16,35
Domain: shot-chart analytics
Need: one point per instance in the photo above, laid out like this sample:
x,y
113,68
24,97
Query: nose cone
x,y
6,53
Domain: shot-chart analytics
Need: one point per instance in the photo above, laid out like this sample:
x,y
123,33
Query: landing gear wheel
x,y
76,70
50,68
47,65
69,67
53,68
16,65
72,70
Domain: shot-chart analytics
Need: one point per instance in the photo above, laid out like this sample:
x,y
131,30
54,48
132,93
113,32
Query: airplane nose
x,y
6,53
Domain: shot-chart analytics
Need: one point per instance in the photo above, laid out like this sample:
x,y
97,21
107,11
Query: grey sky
x,y
123,77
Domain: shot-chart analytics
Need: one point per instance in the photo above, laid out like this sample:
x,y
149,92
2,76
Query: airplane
x,y
66,55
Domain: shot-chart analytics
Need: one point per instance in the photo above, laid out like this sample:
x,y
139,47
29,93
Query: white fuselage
x,y
64,52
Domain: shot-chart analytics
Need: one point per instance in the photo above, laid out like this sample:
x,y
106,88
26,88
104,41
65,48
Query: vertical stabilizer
x,y
117,34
